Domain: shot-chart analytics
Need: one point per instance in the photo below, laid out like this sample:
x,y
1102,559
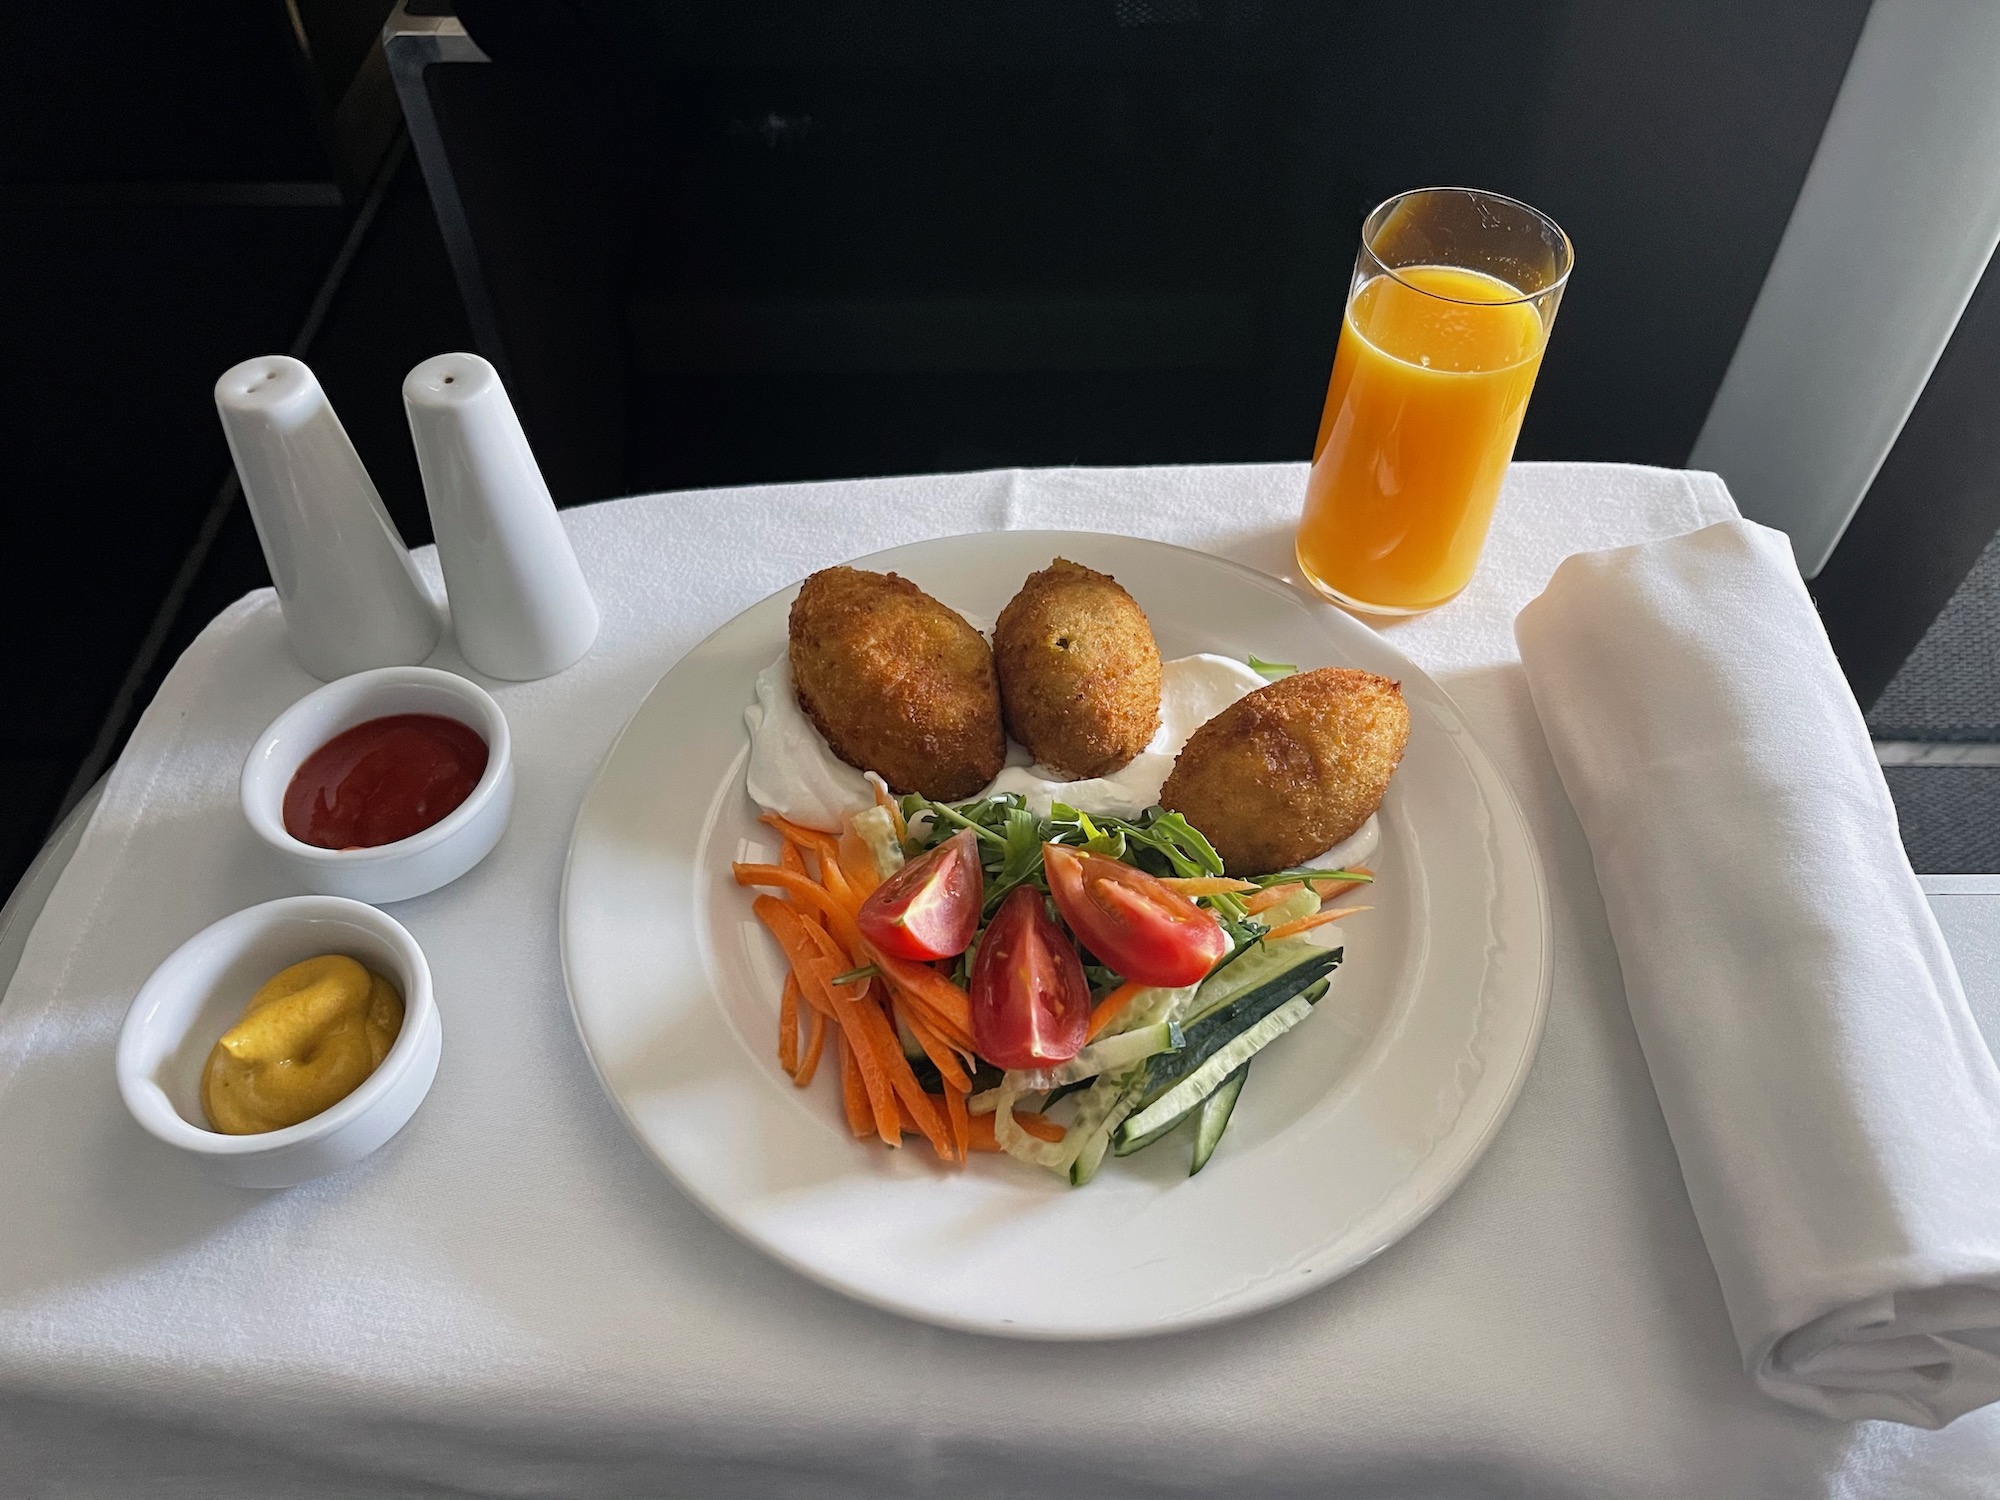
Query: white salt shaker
x,y
519,603
351,595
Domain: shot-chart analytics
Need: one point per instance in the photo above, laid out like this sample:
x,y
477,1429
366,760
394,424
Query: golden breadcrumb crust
x,y
897,683
1292,769
1079,670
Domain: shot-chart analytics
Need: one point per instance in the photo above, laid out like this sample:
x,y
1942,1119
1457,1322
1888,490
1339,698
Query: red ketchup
x,y
382,781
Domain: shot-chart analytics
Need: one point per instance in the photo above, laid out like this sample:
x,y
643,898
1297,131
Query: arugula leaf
x,y
1307,872
1271,671
1011,839
1228,907
1246,933
943,820
1187,837
1103,979
1021,858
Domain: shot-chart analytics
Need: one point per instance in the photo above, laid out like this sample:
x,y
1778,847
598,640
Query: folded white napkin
x,y
1836,1114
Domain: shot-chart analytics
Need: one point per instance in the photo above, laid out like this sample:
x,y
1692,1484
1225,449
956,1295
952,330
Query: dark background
x,y
728,243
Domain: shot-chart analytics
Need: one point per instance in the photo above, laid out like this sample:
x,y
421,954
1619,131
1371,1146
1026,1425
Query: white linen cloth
x,y
1834,1108
511,1299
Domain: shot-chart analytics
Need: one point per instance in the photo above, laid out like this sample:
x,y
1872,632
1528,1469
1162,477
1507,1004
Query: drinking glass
x,y
1453,296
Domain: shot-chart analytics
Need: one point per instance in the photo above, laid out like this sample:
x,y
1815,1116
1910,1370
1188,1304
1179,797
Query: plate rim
x,y
1306,1273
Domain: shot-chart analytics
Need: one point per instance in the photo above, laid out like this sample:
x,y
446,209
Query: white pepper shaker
x,y
351,596
519,603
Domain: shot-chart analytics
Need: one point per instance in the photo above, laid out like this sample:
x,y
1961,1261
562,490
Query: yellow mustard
x,y
307,1040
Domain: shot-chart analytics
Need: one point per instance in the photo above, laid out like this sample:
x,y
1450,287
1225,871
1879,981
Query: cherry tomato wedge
x,y
1030,1001
929,908
1131,922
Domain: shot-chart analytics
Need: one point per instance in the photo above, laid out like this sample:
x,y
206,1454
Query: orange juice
x,y
1430,382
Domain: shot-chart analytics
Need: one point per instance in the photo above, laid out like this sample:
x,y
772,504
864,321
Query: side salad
x,y
1060,989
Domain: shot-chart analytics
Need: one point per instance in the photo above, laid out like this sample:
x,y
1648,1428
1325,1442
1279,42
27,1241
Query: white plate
x,y
1353,1128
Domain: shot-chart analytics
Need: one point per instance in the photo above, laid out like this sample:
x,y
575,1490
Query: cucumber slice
x,y
1300,901
1220,1025
1126,1072
1263,964
1211,1117
1098,1118
1149,1007
1113,1069
1125,1145
1226,1059
1113,1054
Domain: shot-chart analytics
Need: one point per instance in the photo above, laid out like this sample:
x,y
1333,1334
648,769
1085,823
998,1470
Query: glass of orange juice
x,y
1453,295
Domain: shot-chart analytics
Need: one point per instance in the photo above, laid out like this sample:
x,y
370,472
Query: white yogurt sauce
x,y
1193,690
1353,850
794,774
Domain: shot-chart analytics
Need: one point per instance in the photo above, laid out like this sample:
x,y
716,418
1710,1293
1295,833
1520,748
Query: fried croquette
x,y
1079,671
898,684
1292,769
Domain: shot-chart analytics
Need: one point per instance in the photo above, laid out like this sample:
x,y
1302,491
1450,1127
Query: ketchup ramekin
x,y
409,867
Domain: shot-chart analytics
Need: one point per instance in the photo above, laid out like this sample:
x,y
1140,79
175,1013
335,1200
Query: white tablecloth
x,y
511,1299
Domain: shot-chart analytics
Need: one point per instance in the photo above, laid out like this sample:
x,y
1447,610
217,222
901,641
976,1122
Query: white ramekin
x,y
409,867
200,992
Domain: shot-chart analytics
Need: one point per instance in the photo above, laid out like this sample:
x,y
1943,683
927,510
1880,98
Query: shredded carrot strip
x,y
949,1004
785,924
1271,895
829,948
961,1121
815,994
788,1026
794,935
839,918
853,1094
834,878
805,838
883,799
1205,885
949,1040
1109,1007
1041,1127
956,1079
815,1041
857,865
1326,890
874,1075
935,1108
954,1039
881,1038
846,997
930,1120
813,923
870,1023
1306,924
